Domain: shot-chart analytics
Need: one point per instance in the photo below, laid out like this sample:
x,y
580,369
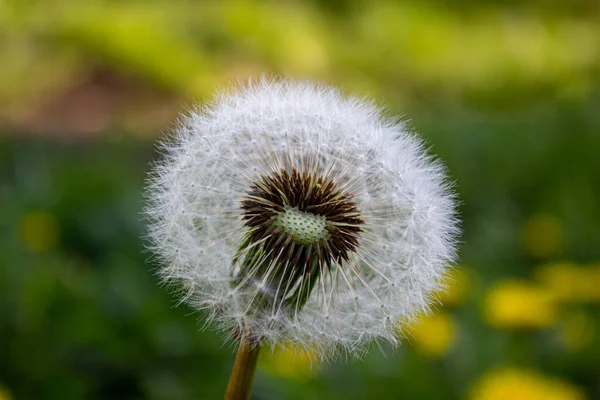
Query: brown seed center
x,y
302,216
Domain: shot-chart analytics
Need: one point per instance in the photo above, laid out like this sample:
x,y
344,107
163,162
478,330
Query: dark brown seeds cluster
x,y
271,195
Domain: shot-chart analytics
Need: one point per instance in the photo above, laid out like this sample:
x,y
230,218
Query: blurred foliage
x,y
507,92
400,51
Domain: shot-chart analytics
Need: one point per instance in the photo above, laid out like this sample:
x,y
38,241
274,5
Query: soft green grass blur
x,y
507,92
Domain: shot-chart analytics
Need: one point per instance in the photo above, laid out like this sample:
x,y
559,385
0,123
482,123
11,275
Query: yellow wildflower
x,y
458,283
519,304
434,334
569,282
518,384
39,231
293,362
543,236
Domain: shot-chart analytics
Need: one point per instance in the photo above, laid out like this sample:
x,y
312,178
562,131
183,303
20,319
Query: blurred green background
x,y
506,92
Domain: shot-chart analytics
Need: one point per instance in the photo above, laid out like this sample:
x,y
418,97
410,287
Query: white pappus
x,y
290,213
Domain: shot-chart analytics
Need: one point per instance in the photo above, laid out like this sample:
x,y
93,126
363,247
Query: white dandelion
x,y
287,213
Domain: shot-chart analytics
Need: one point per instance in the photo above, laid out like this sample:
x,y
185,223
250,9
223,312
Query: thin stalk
x,y
242,373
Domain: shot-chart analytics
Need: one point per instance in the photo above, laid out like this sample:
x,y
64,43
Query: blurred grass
x,y
506,92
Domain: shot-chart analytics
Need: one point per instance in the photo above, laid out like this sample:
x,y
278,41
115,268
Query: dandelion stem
x,y
242,373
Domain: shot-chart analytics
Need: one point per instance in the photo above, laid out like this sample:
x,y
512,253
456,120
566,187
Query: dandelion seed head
x,y
288,211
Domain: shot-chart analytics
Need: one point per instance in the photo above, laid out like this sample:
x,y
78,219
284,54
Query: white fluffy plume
x,y
197,228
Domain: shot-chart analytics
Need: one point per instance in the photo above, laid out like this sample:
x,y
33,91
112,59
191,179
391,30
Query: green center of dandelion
x,y
304,227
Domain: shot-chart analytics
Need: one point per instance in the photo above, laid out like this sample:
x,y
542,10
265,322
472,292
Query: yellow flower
x,y
518,384
519,304
457,282
434,334
568,282
293,362
39,231
577,331
543,236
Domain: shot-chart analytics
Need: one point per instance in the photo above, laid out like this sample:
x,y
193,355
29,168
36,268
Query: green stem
x,y
242,373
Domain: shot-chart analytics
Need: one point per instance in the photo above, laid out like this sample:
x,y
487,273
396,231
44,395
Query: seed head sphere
x,y
289,213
